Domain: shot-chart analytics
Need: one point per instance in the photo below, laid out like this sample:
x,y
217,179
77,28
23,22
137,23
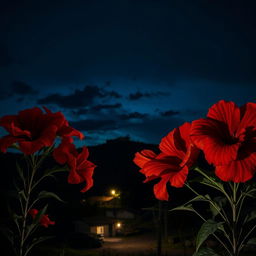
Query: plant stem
x,y
224,217
234,219
27,191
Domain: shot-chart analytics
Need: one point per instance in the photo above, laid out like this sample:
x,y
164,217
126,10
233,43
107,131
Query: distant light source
x,y
113,192
118,224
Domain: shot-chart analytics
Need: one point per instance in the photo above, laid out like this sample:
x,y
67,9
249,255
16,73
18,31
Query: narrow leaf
x,y
212,183
183,208
47,194
208,228
215,210
49,173
250,193
250,216
199,198
55,170
22,195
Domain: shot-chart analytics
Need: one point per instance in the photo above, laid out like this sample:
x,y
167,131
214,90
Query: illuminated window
x,y
100,229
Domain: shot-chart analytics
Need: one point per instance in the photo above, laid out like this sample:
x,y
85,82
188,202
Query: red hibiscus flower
x,y
32,129
44,221
65,130
172,164
81,169
228,139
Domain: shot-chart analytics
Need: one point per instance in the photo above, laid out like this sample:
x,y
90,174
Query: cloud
x,y
152,129
133,115
97,109
107,106
169,113
17,88
94,125
139,126
80,98
138,95
22,88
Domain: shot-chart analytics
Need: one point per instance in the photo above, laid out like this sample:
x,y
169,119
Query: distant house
x,y
98,225
109,222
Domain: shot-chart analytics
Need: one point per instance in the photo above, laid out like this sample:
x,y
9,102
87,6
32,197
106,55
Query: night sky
x,y
126,67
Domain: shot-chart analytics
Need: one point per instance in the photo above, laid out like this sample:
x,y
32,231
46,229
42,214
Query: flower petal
x,y
160,189
87,174
30,147
7,141
212,136
178,179
141,158
227,112
173,145
162,164
238,171
82,157
248,117
73,177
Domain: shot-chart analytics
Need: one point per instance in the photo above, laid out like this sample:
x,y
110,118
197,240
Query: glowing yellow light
x,y
118,225
113,192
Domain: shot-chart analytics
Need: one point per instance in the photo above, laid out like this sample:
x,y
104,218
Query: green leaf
x,y
251,193
215,210
22,195
205,251
208,228
55,170
183,208
250,216
217,204
47,194
211,182
199,198
49,173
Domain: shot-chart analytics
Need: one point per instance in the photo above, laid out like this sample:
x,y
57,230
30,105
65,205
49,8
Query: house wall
x,y
106,233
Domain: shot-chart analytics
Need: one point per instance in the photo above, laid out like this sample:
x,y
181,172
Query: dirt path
x,y
144,244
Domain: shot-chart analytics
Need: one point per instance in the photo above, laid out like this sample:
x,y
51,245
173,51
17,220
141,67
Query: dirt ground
x,y
144,244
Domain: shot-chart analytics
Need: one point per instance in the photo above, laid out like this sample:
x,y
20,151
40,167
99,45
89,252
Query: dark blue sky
x,y
126,67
